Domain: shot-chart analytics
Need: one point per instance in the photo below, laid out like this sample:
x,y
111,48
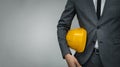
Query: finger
x,y
77,64
72,65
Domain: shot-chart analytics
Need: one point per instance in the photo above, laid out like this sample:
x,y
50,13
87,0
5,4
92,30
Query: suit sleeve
x,y
64,25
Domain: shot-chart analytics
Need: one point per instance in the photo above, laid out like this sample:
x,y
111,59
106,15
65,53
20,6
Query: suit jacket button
x,y
98,27
93,42
100,41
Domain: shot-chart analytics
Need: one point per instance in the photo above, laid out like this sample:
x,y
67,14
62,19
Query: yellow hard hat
x,y
76,39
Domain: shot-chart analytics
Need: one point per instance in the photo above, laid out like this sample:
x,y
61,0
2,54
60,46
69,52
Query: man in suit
x,y
101,19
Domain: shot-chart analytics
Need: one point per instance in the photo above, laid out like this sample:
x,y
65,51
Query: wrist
x,y
67,56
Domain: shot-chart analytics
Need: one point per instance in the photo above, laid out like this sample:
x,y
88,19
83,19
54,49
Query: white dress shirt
x,y
102,7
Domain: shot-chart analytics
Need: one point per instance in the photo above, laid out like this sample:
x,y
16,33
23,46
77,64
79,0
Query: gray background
x,y
28,35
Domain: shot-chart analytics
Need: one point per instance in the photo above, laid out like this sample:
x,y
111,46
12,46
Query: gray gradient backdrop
x,y
28,35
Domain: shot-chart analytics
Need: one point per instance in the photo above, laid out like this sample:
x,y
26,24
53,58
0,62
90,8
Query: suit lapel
x,y
92,7
104,11
92,11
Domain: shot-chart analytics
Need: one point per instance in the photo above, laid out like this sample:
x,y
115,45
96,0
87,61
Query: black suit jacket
x,y
106,30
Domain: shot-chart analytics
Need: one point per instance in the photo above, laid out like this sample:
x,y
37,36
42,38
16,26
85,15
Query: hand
x,y
72,61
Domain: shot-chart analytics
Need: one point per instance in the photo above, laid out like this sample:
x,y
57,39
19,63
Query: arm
x,y
64,25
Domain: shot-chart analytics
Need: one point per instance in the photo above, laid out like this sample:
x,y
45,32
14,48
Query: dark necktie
x,y
98,8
